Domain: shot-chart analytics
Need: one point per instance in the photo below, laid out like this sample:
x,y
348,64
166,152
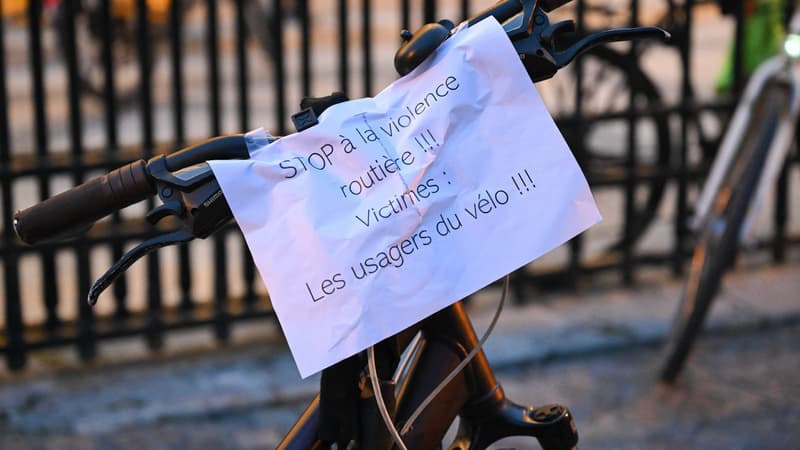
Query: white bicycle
x,y
750,158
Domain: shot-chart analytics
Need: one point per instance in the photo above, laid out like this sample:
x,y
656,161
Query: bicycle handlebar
x,y
76,209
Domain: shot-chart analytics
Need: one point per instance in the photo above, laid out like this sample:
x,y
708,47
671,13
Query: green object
x,y
763,38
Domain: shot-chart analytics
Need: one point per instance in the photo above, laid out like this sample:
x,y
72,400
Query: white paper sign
x,y
393,207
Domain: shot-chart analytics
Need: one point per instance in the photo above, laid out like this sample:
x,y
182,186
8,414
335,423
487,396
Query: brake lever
x,y
537,51
193,196
136,253
604,37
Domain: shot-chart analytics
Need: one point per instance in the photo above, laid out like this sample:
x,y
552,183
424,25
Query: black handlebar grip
x,y
76,209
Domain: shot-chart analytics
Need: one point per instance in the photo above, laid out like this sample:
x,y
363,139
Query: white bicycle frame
x,y
785,68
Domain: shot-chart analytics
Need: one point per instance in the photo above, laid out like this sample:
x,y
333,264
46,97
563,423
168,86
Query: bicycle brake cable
x,y
376,388
373,374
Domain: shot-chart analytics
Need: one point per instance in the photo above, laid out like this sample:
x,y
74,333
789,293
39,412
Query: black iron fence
x,y
88,86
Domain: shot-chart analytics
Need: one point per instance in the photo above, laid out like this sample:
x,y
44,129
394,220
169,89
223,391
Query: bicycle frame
x,y
474,395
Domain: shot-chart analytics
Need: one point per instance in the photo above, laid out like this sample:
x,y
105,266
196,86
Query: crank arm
x,y
131,257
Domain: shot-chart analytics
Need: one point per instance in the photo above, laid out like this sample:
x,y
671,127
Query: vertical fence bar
x,y
176,66
155,326
110,99
87,341
212,61
241,66
280,71
344,61
249,275
16,354
682,209
248,272
47,260
576,243
221,317
630,165
305,43
179,132
429,11
120,288
366,45
185,278
405,15
74,87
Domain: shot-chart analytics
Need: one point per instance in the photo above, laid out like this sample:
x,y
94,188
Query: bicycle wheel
x,y
718,241
90,31
608,81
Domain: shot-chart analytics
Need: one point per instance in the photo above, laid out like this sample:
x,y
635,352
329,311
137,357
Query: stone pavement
x,y
592,350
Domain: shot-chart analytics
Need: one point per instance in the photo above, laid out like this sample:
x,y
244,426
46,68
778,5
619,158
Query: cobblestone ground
x,y
740,392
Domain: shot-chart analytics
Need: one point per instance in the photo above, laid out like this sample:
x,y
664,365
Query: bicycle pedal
x,y
559,430
547,413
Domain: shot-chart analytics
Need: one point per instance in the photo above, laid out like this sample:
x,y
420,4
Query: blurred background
x,y
184,350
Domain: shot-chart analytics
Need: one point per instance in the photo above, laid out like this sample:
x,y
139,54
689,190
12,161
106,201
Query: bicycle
x,y
412,368
750,157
